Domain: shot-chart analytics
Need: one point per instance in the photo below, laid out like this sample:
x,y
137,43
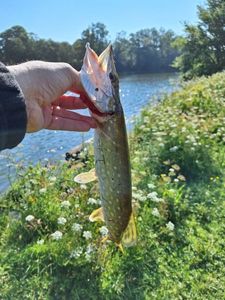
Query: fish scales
x,y
113,170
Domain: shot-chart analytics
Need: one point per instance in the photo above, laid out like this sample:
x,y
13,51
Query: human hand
x,y
43,85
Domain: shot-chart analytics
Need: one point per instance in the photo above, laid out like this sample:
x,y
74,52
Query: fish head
x,y
100,81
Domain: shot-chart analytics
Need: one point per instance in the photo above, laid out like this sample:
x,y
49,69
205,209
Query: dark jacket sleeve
x,y
13,117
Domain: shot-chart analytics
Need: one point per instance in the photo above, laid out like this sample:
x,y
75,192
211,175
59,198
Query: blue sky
x,y
65,20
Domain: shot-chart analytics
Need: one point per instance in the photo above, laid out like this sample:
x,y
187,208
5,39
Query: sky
x,y
64,20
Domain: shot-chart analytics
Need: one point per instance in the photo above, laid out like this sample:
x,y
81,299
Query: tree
x,y
16,45
203,49
147,50
168,52
124,58
96,35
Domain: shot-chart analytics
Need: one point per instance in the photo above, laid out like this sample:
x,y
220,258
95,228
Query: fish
x,y
111,152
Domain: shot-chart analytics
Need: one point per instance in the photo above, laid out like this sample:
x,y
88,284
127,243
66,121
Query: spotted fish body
x,y
112,164
113,171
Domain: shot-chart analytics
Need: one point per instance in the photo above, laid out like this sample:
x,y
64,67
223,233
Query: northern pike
x,y
112,164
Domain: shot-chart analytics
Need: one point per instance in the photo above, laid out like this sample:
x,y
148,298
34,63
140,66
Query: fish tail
x,y
130,234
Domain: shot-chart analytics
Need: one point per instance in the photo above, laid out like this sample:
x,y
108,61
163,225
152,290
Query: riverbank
x,y
49,249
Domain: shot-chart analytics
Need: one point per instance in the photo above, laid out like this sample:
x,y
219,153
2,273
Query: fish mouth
x,y
94,108
95,75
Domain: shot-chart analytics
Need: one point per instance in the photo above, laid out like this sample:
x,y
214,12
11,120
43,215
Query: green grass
x,y
178,168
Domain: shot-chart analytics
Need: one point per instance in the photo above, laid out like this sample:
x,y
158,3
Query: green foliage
x,y
147,50
16,45
96,35
50,250
203,50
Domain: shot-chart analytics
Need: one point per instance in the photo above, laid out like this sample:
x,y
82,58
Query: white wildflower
x,y
29,218
61,221
103,230
170,226
87,256
174,149
40,242
83,186
57,235
43,190
65,204
151,186
139,196
155,212
52,178
77,227
87,235
88,252
92,201
176,180
153,196
76,253
142,198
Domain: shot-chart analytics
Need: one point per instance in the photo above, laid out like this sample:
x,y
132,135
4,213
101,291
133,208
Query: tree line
x,y
202,47
200,51
146,51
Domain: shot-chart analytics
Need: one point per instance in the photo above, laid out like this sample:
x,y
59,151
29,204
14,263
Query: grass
x,y
49,249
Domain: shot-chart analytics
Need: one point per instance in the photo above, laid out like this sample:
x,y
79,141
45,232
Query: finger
x,y
82,93
61,112
59,123
69,102
86,100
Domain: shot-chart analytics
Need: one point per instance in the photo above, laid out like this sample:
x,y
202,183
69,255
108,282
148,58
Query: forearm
x,y
13,117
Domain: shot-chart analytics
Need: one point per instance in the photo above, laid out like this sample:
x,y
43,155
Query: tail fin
x,y
130,234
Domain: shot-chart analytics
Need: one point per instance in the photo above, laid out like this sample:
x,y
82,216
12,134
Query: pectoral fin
x,y
97,215
130,234
86,177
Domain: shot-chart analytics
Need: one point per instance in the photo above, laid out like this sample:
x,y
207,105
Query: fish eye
x,y
111,76
96,89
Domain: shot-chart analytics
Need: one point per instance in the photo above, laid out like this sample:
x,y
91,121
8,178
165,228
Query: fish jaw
x,y
99,79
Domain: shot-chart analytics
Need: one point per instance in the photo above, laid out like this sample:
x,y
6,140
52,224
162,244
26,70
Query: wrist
x,y
19,74
13,112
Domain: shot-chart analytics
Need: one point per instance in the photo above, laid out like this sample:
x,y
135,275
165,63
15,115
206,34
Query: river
x,y
135,90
